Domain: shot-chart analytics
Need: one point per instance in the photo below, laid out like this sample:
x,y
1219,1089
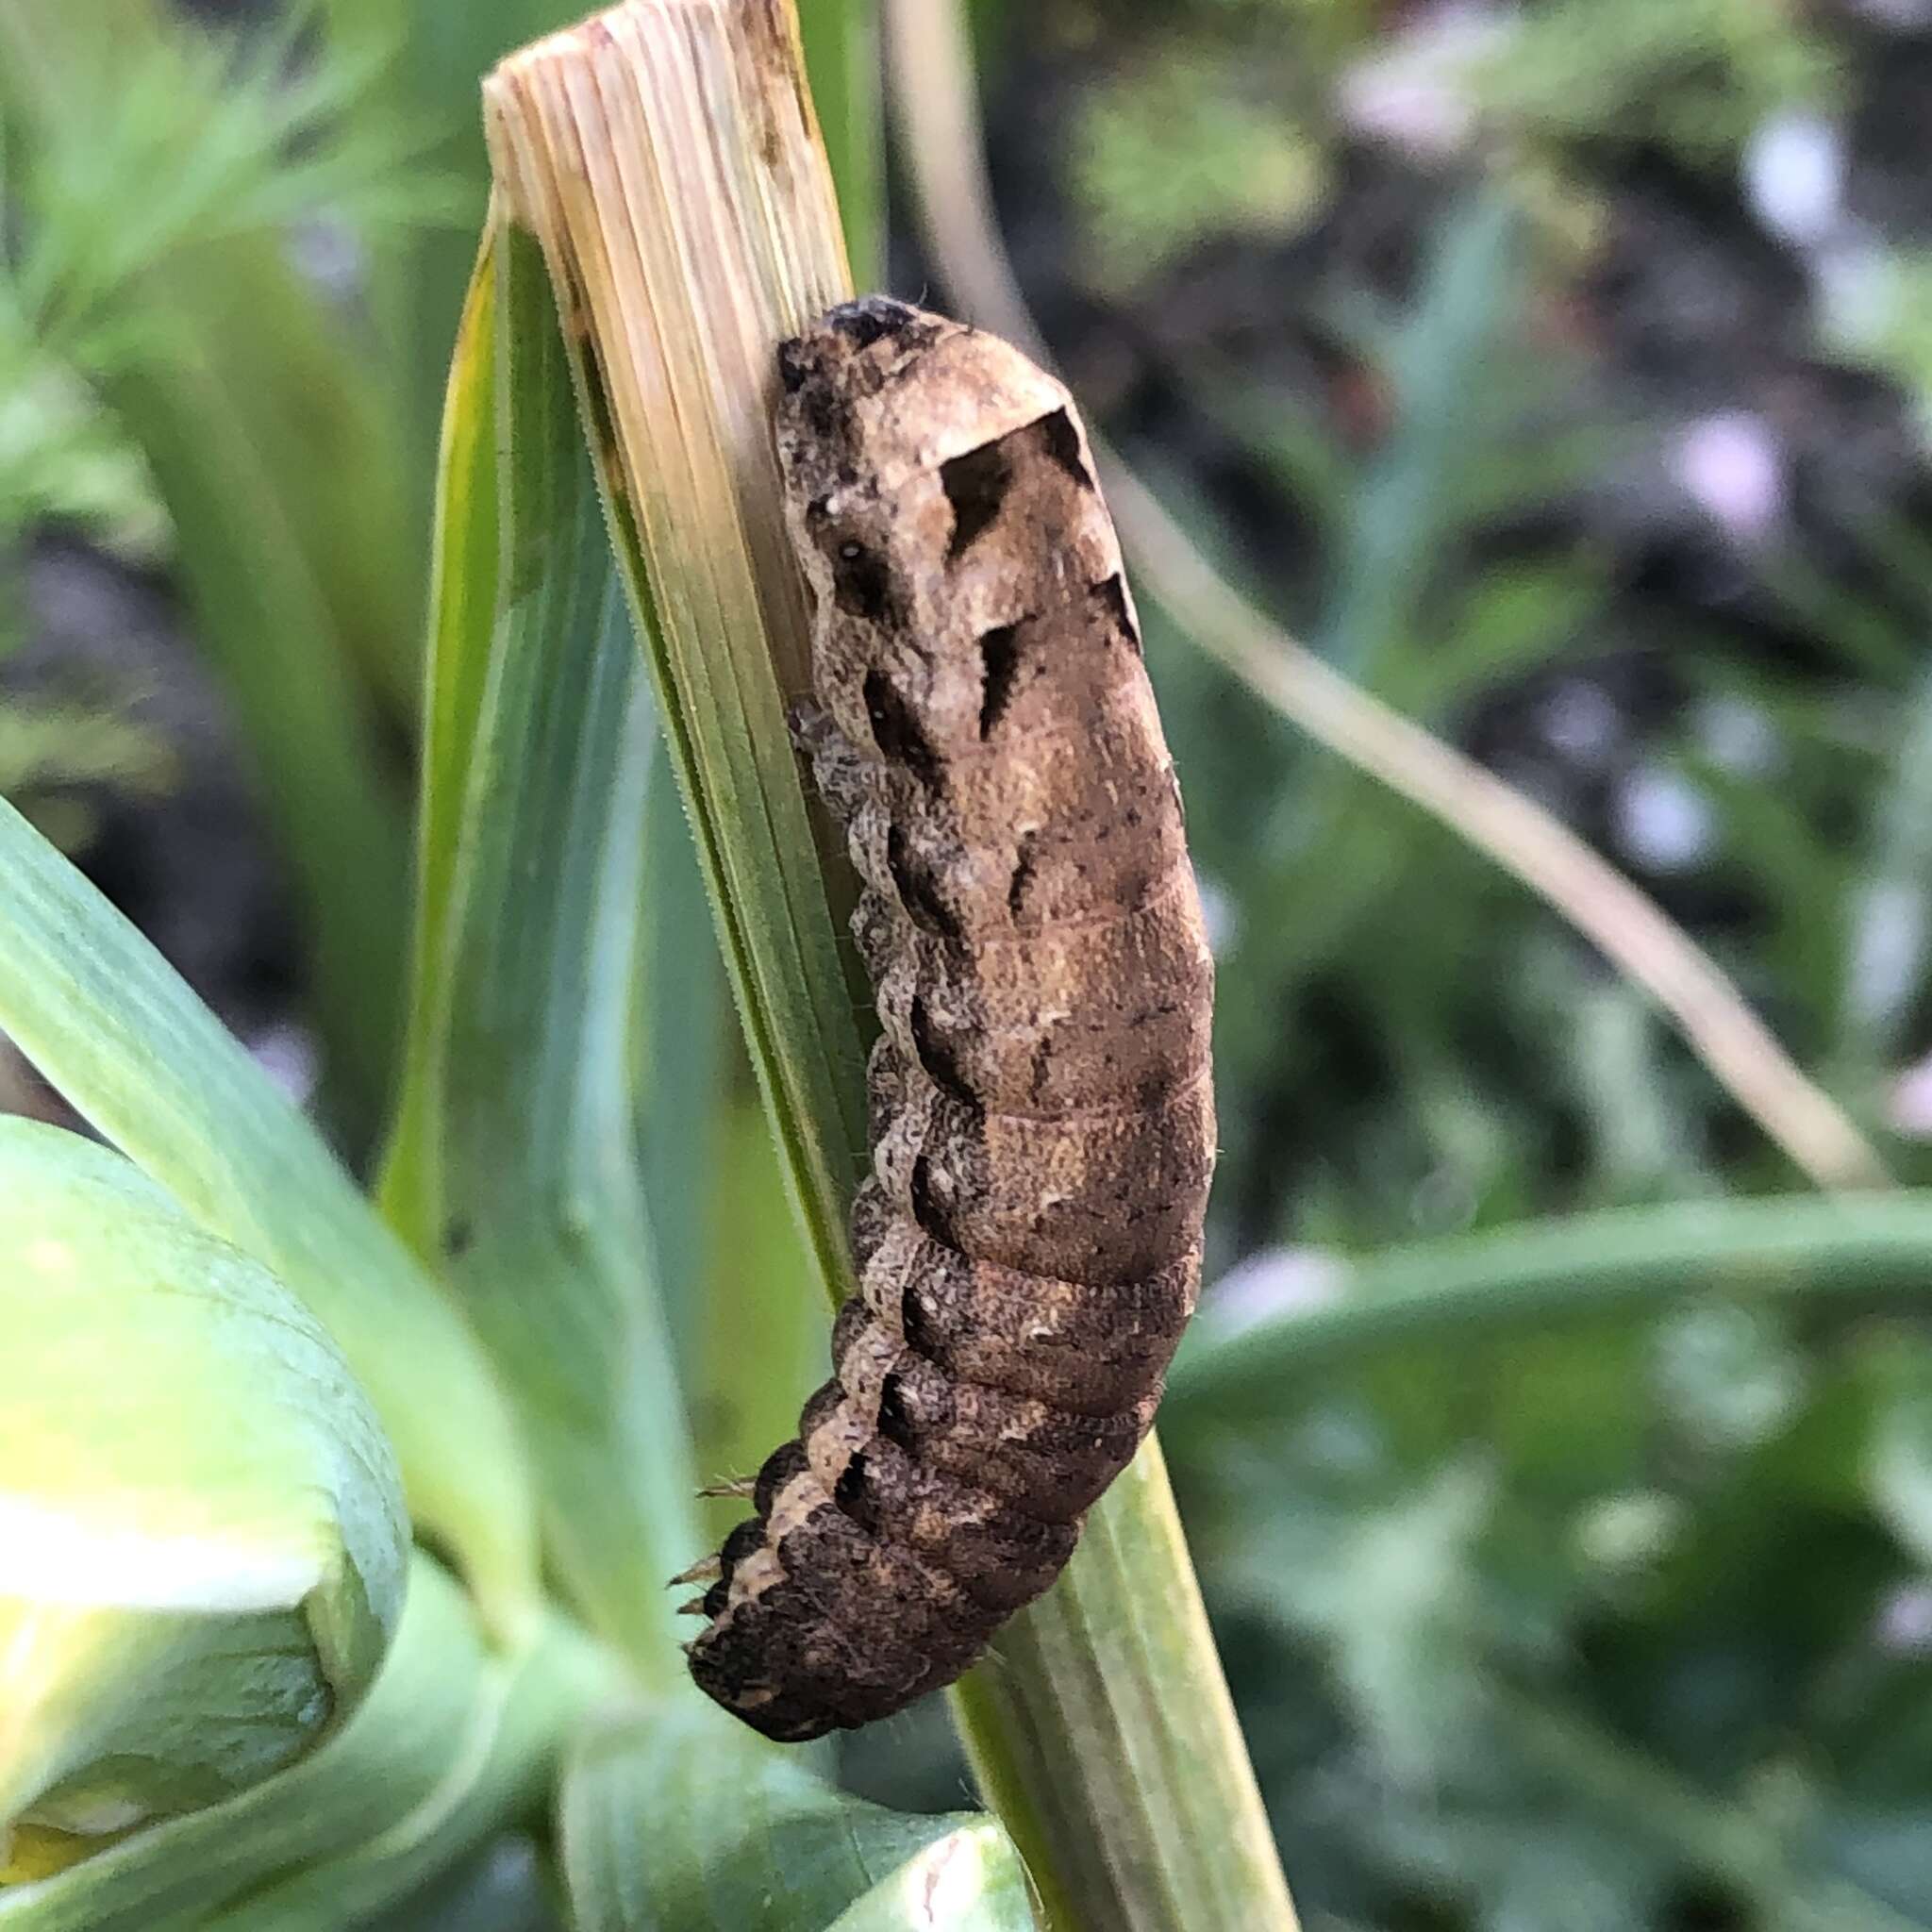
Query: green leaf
x,y
678,425
418,1723
417,288
462,605
261,602
504,1886
691,1066
686,1823
1899,1455
1438,361
515,1165
762,1330
526,1713
970,1881
1178,146
1892,912
1630,1261
202,1536
111,1026
842,63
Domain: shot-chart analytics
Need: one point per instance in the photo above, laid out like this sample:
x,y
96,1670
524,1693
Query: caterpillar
x,y
1042,1115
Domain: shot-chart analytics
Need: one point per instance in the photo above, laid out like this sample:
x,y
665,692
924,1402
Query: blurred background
x,y
1561,372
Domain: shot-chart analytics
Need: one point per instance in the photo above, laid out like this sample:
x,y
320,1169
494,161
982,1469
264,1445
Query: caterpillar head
x,y
876,391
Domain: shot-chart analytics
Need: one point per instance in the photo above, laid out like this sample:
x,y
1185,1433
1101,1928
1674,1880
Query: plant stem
x,y
1101,1730
659,153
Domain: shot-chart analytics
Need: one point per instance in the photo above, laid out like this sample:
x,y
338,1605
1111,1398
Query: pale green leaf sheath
x,y
426,1716
202,1535
526,1712
689,1823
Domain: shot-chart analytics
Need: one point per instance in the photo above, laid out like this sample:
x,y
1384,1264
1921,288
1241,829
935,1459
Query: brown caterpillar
x,y
1042,1123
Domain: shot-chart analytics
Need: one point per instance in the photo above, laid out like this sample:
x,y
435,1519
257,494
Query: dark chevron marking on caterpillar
x,y
1042,1126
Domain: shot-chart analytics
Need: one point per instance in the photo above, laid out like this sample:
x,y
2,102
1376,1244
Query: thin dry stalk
x,y
937,114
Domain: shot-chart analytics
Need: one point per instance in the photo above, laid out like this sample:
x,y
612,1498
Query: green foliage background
x,y
1596,1591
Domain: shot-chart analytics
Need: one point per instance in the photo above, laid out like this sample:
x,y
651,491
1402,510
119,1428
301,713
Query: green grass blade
x,y
732,1267
259,616
760,1335
846,74
462,605
1412,492
1626,1262
694,159
418,287
686,1823
516,1167
685,1079
113,1027
1893,899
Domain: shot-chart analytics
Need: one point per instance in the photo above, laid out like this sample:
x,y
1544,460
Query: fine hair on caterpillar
x,y
1042,1118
